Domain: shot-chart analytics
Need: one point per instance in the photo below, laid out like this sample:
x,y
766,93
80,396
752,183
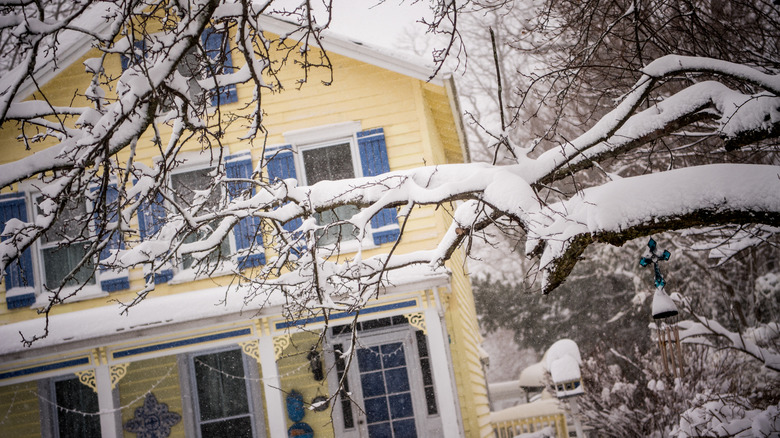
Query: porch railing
x,y
514,427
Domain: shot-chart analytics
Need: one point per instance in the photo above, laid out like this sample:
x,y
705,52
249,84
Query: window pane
x,y
59,262
331,163
233,428
72,394
72,223
185,185
328,163
221,387
338,233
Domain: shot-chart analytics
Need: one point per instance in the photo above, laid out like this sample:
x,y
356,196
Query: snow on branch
x,y
169,78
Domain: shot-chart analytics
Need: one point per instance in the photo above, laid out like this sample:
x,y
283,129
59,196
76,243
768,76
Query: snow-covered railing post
x,y
664,308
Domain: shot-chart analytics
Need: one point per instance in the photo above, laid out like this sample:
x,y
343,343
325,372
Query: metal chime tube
x,y
662,345
671,354
680,358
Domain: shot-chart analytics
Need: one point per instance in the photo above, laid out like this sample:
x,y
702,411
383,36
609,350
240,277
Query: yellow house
x,y
191,359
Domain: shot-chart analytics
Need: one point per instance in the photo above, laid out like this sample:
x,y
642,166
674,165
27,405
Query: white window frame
x,y
190,391
425,424
193,162
49,410
325,136
88,291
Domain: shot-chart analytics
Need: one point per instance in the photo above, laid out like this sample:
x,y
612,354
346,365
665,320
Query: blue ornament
x,y
152,420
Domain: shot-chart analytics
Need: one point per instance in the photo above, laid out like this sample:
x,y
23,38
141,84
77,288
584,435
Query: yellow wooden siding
x,y
439,104
296,375
470,378
20,411
160,376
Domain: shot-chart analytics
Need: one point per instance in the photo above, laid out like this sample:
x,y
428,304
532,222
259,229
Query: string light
x,y
109,411
209,367
251,379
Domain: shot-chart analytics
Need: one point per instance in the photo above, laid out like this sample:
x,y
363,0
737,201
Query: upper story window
x,y
245,244
194,66
331,162
186,186
64,246
51,262
335,152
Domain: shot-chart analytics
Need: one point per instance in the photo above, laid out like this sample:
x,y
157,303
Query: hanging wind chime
x,y
664,314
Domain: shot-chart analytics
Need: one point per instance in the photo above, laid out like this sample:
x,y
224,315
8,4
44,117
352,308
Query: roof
x,y
73,45
69,329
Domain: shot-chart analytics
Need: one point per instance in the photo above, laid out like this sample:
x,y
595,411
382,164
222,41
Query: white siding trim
x,y
274,400
445,386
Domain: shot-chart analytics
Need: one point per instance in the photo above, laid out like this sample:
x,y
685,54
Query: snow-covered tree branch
x,y
560,193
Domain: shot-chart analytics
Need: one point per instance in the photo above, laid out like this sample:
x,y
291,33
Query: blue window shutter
x,y
247,232
112,281
140,46
281,165
213,43
151,218
18,274
373,158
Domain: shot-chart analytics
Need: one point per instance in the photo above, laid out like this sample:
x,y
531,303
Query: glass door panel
x,y
387,396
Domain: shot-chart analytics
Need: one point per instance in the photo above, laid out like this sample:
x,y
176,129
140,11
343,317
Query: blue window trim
x,y
340,315
180,343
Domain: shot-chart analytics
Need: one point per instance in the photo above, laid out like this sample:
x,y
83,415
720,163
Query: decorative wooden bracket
x,y
117,373
417,320
251,348
87,377
280,343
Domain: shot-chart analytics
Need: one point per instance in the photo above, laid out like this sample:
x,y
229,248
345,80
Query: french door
x,y
385,393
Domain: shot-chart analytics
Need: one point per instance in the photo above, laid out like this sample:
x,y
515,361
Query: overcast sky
x,y
376,23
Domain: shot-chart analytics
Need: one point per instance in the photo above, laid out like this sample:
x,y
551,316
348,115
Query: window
x,y
64,246
75,398
50,263
221,396
246,242
331,162
186,187
335,152
390,381
193,67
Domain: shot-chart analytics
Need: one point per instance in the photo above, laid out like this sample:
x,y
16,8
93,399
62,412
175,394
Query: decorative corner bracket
x,y
280,343
87,377
117,373
252,348
417,320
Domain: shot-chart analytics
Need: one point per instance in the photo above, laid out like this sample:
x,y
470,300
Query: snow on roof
x,y
178,308
72,45
563,360
532,376
564,369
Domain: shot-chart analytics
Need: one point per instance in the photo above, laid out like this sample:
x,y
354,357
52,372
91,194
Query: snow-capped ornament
x,y
663,309
663,306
